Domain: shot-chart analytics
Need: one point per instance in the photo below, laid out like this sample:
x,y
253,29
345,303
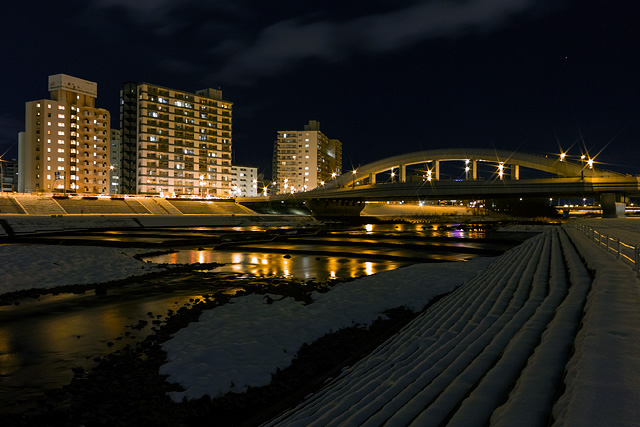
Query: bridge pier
x,y
612,205
403,173
437,170
372,178
516,172
474,170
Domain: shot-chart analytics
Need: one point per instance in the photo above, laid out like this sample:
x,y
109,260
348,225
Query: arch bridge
x,y
572,179
502,159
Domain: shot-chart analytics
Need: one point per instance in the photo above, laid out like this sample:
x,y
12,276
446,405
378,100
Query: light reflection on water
x,y
264,264
40,341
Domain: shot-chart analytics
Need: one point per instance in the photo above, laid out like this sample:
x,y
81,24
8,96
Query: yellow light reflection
x,y
369,227
264,261
254,260
368,268
236,258
201,257
333,274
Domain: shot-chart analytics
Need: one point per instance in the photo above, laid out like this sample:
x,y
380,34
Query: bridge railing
x,y
625,251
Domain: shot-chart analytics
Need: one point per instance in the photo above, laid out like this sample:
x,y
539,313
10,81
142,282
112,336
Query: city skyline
x,y
384,78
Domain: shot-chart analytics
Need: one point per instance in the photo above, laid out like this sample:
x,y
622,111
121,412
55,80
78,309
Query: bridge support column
x,y
372,178
516,172
403,173
474,170
612,205
437,170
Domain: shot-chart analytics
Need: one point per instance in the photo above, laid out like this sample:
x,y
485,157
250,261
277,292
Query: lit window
x,y
60,107
61,132
48,123
48,159
48,141
48,105
48,168
60,150
60,125
48,176
60,168
38,104
61,141
48,149
61,159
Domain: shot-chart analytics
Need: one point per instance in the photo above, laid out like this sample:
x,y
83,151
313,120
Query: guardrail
x,y
625,251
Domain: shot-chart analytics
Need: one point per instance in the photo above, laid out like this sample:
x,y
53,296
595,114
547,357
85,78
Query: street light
x,y
202,186
354,178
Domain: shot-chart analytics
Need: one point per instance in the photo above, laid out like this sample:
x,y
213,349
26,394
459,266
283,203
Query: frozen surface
x,y
45,266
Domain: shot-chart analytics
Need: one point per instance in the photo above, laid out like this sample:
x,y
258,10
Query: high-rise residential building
x,y
174,143
244,181
9,175
114,160
304,160
65,146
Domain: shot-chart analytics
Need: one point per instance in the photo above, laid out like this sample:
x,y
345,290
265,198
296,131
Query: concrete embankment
x,y
520,342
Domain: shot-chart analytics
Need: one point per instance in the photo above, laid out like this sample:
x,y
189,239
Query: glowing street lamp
x,y
590,163
466,169
333,175
501,170
201,185
354,178
429,175
562,156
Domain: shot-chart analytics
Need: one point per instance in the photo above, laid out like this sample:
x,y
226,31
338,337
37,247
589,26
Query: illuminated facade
x,y
244,181
65,146
174,143
114,160
304,160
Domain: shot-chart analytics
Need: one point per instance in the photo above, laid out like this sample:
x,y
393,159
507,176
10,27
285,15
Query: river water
x,y
42,339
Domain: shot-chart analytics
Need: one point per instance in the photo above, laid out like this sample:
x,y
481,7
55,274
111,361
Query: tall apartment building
x,y
114,160
303,160
65,146
244,181
8,175
174,143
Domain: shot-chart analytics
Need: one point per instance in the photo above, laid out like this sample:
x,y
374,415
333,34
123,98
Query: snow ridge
x,y
494,351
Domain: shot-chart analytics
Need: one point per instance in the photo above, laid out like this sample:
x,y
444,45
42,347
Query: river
x,y
42,340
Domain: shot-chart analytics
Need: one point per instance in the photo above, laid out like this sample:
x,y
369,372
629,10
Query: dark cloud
x,y
279,45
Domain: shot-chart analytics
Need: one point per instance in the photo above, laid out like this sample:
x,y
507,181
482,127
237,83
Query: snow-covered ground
x,y
515,320
243,343
509,332
45,266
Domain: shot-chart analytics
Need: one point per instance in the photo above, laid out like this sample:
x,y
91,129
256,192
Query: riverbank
x,y
607,317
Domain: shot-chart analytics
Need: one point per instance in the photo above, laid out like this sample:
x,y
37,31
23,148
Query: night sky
x,y
384,77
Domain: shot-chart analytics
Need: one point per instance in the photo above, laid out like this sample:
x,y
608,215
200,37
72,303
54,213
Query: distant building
x,y
9,175
244,181
114,160
174,143
65,146
304,160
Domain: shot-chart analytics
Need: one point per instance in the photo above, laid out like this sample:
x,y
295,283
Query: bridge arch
x,y
472,155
